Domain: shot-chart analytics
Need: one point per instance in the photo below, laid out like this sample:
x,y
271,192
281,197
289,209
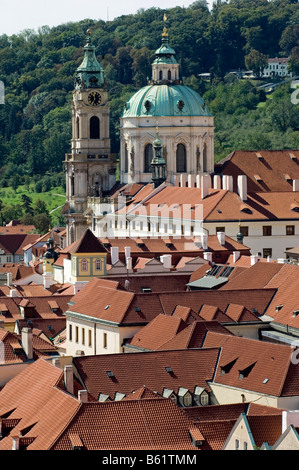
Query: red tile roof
x,y
150,424
264,366
33,399
269,167
132,371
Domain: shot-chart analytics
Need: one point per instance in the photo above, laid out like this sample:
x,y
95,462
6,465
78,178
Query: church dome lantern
x,y
90,73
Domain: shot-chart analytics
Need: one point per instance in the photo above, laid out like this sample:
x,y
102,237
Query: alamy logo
x,y
2,92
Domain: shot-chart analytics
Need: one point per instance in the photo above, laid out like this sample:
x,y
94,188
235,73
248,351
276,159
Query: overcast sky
x,y
17,15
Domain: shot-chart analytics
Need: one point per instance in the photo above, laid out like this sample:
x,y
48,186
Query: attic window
x,y
292,156
137,309
168,370
53,305
3,309
287,177
265,381
245,372
146,289
295,313
258,178
259,156
226,369
110,374
278,307
245,209
107,306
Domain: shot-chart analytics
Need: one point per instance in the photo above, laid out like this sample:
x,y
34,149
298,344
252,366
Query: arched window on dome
x,y
148,156
126,162
169,74
181,159
94,127
205,158
160,75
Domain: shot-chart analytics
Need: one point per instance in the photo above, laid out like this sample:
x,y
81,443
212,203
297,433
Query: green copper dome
x,y
165,100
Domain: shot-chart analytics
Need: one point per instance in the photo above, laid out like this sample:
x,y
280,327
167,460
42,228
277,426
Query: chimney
x,y
217,182
269,259
83,396
166,260
69,379
205,185
9,279
229,183
221,238
129,263
56,362
236,256
197,181
127,252
13,293
183,180
208,255
242,187
48,280
114,254
176,180
204,241
15,443
253,259
27,343
191,181
295,185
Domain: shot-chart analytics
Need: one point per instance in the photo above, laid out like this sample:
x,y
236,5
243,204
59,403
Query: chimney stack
x,y
166,260
208,255
9,279
204,241
191,181
221,238
183,180
253,259
205,185
27,343
242,187
217,182
83,396
127,251
236,256
129,263
69,379
295,185
114,254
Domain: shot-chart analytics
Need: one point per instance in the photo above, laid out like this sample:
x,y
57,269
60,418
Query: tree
x,y
256,61
27,204
294,61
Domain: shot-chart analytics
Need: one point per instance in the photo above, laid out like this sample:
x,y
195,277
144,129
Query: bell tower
x,y
89,168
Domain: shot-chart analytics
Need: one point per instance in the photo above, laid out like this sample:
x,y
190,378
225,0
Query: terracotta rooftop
x,y
14,243
257,276
119,306
153,423
132,371
269,166
253,365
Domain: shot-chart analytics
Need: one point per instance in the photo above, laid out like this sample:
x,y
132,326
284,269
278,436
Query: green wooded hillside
x,y
37,68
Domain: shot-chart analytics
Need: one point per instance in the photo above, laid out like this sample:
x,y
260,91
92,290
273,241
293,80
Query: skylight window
x,y
169,370
110,374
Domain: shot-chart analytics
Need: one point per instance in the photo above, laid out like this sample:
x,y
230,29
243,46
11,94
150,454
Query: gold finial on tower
x,y
165,33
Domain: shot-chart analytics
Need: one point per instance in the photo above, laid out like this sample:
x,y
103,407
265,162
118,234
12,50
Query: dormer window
x,y
245,372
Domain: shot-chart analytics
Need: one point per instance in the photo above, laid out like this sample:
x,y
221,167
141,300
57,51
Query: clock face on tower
x,y
94,98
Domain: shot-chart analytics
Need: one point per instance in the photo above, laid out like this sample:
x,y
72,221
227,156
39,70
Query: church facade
x,y
165,111
186,127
